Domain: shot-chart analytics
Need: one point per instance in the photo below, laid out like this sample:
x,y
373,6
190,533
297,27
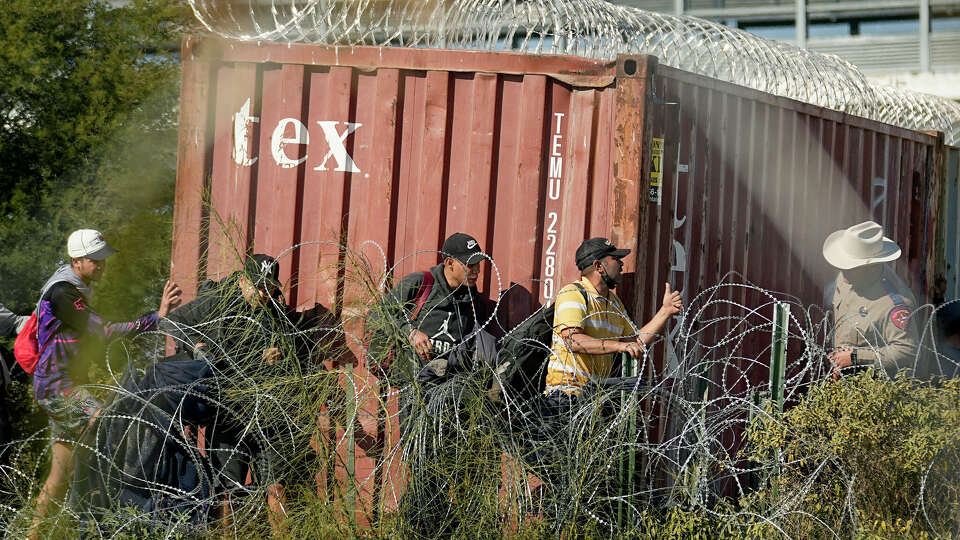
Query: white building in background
x,y
910,43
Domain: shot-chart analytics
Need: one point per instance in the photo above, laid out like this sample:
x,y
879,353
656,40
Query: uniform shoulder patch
x,y
900,317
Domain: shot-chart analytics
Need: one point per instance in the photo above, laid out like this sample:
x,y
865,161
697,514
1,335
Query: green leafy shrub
x,y
864,456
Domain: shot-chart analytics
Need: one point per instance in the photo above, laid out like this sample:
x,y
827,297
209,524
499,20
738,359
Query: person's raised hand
x,y
169,299
672,302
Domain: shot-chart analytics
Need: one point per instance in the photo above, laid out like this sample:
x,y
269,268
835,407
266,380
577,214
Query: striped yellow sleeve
x,y
625,321
570,310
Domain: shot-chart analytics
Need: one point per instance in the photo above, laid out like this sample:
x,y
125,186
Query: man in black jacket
x,y
250,336
428,332
236,343
437,313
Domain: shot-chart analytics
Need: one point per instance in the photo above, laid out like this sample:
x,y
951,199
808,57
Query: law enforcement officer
x,y
872,307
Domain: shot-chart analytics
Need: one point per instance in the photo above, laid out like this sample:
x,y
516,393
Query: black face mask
x,y
607,280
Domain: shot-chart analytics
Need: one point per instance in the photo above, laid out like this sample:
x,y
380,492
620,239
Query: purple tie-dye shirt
x,y
60,343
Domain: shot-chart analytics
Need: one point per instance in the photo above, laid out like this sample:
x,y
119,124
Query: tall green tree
x,y
88,109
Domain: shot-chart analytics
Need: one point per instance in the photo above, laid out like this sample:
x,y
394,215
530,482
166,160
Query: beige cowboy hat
x,y
860,245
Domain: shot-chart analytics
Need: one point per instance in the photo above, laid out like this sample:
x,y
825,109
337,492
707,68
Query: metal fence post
x,y
778,353
778,362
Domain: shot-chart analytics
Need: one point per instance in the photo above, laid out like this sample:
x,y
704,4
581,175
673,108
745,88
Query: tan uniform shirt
x,y
876,319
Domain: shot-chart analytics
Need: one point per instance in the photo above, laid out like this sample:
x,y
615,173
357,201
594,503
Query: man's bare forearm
x,y
650,331
584,344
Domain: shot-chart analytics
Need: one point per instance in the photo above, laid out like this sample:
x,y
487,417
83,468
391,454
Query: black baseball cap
x,y
462,247
594,249
263,270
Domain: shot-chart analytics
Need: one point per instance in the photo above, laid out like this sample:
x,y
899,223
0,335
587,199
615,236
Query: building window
x,y
778,32
945,24
888,27
828,30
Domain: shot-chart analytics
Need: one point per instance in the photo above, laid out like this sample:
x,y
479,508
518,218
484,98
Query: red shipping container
x,y
390,150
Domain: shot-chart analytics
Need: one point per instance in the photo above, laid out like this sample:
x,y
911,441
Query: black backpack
x,y
523,354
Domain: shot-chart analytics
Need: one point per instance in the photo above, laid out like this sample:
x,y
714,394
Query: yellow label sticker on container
x,y
656,170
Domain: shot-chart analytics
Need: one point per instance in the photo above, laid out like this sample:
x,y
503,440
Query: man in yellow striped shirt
x,y
591,325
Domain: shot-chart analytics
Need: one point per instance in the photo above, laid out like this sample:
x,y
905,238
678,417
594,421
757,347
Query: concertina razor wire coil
x,y
586,28
297,422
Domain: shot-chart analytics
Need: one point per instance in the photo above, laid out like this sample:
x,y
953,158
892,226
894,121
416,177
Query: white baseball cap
x,y
88,243
861,244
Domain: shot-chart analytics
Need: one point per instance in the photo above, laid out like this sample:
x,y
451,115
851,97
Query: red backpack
x,y
26,349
